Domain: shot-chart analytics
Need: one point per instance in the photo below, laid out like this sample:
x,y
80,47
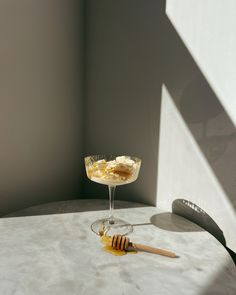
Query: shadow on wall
x,y
208,122
131,49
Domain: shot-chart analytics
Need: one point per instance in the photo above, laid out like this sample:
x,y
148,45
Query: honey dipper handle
x,y
153,250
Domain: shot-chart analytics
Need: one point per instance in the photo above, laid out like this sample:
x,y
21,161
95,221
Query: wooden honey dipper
x,y
119,242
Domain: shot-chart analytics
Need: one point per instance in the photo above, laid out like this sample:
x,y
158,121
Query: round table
x,y
59,254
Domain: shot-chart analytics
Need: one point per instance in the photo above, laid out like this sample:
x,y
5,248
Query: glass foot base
x,y
111,227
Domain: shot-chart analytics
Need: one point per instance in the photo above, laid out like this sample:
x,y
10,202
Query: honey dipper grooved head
x,y
120,242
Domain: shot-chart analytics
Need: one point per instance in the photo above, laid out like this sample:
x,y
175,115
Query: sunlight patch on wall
x,y
208,29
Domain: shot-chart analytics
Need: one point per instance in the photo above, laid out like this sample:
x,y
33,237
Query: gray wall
x,y
123,88
40,101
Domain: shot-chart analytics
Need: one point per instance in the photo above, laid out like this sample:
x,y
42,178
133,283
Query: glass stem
x,y
111,203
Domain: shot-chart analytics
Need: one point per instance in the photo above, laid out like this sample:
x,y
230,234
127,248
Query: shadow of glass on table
x,y
188,217
172,222
198,220
194,213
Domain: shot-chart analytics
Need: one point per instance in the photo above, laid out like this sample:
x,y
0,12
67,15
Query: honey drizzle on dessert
x,y
120,171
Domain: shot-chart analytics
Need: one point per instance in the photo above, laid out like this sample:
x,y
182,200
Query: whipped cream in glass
x,y
121,170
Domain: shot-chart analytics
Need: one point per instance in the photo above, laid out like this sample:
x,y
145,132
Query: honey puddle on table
x,y
106,240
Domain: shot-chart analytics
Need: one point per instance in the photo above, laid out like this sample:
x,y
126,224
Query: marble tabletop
x,y
59,254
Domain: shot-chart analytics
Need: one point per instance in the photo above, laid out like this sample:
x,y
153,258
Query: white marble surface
x,y
59,254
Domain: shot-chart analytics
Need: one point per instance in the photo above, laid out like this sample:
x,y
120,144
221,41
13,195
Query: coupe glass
x,y
112,171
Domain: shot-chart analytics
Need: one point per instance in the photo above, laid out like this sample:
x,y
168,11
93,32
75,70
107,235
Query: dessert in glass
x,y
112,171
